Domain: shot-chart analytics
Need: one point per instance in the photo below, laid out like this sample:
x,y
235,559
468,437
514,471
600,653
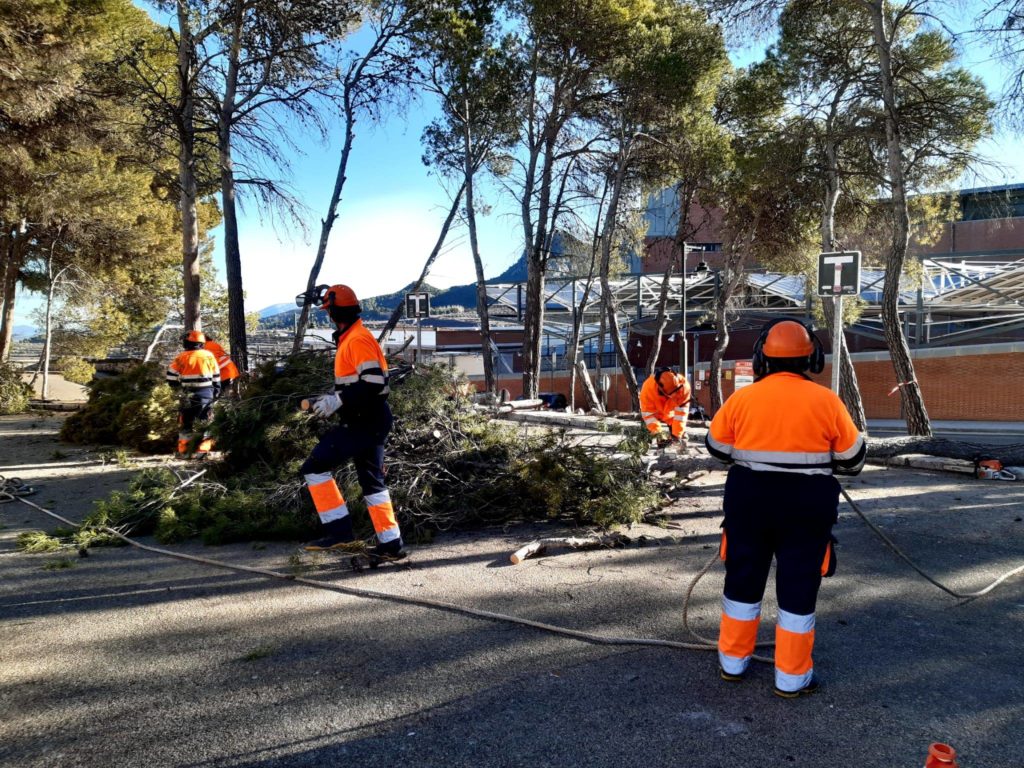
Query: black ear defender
x,y
815,361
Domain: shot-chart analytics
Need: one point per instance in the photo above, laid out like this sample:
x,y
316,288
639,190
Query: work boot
x,y
389,550
339,536
813,686
730,677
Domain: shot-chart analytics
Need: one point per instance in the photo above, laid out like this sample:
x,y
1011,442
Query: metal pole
x,y
682,319
837,341
419,340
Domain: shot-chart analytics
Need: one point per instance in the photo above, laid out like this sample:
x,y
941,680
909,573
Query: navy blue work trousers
x,y
196,406
783,515
361,442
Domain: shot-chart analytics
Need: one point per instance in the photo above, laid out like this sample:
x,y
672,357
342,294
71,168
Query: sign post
x,y
417,305
838,275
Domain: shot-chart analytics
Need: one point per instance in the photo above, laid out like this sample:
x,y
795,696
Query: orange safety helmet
x,y
339,296
197,337
788,339
667,381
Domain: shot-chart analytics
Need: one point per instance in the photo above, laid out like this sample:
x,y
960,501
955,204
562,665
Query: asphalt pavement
x,y
126,658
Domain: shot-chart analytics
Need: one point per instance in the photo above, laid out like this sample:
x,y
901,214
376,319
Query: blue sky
x,y
392,209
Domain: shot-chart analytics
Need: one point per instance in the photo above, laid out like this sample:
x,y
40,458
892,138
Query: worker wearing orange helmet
x,y
665,399
228,369
360,399
197,373
785,437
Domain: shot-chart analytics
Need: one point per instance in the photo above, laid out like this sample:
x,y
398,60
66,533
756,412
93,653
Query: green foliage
x,y
154,505
34,542
135,409
76,370
448,467
14,393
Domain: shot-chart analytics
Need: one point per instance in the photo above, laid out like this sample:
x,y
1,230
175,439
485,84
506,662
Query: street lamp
x,y
701,267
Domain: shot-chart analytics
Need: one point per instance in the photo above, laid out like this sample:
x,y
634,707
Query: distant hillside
x,y
381,307
20,332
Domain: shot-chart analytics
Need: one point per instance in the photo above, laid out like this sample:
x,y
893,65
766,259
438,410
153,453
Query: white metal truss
x,y
952,302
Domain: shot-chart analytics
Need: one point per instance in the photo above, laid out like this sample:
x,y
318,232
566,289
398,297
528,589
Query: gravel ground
x,y
127,658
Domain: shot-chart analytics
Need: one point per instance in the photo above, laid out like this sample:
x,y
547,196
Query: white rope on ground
x,y
892,545
14,490
588,637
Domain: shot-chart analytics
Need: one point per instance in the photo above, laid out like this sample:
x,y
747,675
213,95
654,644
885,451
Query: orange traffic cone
x,y
940,756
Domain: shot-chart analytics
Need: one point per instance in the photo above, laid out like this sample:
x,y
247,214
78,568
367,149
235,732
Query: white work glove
x,y
325,405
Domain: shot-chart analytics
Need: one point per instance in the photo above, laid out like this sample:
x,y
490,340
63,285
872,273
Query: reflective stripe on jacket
x,y
787,423
194,369
656,407
228,369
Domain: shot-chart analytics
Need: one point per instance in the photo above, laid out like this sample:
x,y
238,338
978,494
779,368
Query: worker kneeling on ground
x,y
196,372
360,399
785,436
665,399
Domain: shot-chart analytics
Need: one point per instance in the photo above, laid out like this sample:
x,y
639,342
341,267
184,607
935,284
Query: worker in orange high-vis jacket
x,y
785,437
228,369
197,373
665,399
360,399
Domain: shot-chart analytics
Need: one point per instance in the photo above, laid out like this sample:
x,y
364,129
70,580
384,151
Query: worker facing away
x,y
360,399
665,399
785,437
228,369
197,374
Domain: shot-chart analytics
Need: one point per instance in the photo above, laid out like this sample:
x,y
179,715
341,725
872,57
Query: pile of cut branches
x,y
448,466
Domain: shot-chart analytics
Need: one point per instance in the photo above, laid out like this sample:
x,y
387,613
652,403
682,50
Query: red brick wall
x,y
974,236
983,386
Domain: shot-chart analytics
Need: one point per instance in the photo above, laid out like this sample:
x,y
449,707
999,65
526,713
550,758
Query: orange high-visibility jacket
x,y
672,410
787,423
228,369
194,369
360,371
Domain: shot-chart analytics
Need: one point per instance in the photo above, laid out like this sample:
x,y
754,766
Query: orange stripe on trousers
x,y
383,516
737,638
793,651
326,496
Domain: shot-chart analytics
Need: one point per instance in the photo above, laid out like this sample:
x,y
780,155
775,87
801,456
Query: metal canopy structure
x,y
952,302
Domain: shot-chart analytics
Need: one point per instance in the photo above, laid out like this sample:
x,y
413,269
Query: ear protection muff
x,y
815,361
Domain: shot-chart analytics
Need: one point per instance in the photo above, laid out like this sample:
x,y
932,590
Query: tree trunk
x,y
593,400
187,173
15,254
232,249
849,387
914,409
533,322
51,287
733,276
607,237
327,223
397,313
661,322
474,245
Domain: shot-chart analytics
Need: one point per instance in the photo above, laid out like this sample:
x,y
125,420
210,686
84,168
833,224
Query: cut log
x,y
887,447
538,546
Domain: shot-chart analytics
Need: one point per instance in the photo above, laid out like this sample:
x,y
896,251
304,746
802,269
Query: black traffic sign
x,y
417,305
839,273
